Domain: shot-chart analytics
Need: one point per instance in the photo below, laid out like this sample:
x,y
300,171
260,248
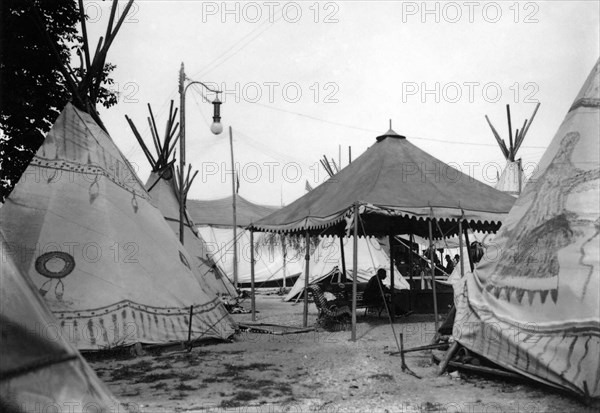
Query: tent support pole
x,y
233,190
393,303
431,257
355,263
306,272
469,252
460,246
252,291
344,279
410,271
284,249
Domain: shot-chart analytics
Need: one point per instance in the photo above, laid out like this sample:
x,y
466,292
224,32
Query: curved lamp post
x,y
215,128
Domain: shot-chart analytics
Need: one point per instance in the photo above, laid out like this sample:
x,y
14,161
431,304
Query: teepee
x,y
164,190
534,307
94,244
39,369
512,178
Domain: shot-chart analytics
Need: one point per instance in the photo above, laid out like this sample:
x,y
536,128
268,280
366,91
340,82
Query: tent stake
x,y
306,273
252,291
190,328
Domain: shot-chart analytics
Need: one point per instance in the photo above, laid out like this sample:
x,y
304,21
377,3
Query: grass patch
x,y
383,376
152,377
240,399
184,387
160,386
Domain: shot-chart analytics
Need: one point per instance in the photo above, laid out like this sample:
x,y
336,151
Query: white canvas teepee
x,y
109,267
39,370
535,307
162,187
327,255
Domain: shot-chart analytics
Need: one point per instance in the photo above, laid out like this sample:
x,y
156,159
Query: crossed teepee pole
x,y
163,164
510,151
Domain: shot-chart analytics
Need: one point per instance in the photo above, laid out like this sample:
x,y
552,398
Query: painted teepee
x,y
512,178
164,189
39,369
93,243
534,307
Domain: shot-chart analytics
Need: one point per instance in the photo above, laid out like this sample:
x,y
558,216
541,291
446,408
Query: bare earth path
x,y
314,372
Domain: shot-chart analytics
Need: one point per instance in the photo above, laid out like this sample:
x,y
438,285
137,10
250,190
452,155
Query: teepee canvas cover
x,y
101,254
39,370
512,179
163,192
534,307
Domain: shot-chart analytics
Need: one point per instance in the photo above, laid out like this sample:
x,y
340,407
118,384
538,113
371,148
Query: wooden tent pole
x,y
284,250
392,304
354,272
306,272
469,252
431,257
181,149
343,256
410,270
252,291
233,178
460,246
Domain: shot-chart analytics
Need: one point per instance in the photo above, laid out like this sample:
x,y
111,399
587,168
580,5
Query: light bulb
x,y
216,128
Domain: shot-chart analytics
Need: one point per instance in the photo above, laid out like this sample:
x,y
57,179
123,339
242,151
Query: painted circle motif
x,y
55,264
184,260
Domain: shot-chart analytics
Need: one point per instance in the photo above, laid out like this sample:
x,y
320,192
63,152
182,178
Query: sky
x,y
305,79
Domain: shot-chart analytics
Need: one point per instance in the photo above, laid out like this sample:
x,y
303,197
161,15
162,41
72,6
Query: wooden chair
x,y
330,313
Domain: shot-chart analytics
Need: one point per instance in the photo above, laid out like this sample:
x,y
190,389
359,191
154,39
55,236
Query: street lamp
x,y
215,128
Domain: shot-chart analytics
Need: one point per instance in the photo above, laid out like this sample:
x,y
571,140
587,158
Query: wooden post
x,y
460,246
354,272
306,273
181,149
410,270
233,190
431,257
252,291
519,175
392,304
344,279
284,250
190,325
469,252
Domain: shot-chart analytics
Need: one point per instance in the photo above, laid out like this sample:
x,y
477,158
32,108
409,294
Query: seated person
x,y
372,293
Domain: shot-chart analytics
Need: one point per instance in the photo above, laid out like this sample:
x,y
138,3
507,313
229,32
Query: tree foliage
x,y
33,90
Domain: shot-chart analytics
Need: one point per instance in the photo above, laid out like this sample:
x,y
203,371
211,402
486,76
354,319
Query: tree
x,y
33,89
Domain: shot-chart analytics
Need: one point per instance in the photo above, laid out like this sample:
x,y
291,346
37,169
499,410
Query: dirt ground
x,y
314,372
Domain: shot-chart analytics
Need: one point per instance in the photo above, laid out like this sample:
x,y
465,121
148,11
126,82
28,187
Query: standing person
x,y
456,259
449,265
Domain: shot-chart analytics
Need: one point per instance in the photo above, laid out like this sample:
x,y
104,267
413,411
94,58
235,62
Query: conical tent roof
x,y
533,305
37,364
397,186
164,194
92,242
